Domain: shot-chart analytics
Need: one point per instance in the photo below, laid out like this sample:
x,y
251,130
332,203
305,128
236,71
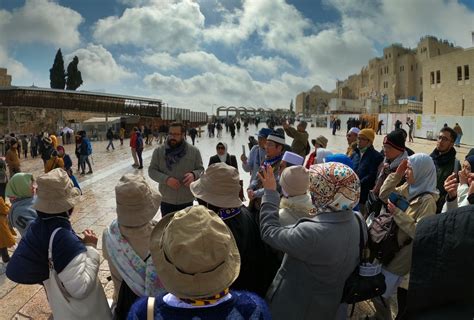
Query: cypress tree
x,y
57,75
74,77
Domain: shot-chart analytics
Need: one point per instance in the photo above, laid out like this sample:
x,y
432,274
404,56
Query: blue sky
x,y
200,53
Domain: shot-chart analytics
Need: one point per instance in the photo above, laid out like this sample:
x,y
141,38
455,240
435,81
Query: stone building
x,y
314,101
399,75
449,87
5,78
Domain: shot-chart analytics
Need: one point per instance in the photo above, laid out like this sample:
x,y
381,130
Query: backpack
x,y
383,237
89,146
126,298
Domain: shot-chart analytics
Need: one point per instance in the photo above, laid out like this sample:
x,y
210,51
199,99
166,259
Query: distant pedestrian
x,y
398,125
110,137
121,135
24,146
334,127
458,130
379,127
34,146
12,159
411,127
66,159
193,133
139,145
85,152
133,147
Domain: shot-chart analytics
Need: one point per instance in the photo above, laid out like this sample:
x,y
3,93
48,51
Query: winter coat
x,y
53,163
7,234
159,172
230,160
444,168
54,141
366,167
294,208
460,201
22,214
420,207
139,240
442,281
320,254
12,160
300,141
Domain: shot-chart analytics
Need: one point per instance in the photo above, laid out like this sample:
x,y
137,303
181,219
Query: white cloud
x,y
15,68
163,25
264,66
98,66
41,21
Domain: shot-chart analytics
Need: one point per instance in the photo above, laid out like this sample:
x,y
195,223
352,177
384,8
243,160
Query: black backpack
x,y
126,298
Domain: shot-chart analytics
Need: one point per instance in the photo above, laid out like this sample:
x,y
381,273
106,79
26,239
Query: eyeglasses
x,y
443,138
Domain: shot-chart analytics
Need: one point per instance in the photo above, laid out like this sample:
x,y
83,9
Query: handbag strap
x,y
63,290
150,306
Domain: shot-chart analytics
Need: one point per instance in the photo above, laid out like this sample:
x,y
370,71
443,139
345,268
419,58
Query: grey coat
x,y
191,162
320,254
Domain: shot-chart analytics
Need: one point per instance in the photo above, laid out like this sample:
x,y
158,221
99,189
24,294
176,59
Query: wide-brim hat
x,y
219,185
194,253
56,192
321,141
137,202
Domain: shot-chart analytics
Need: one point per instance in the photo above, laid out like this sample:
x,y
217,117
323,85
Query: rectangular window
x,y
438,76
432,78
459,73
466,72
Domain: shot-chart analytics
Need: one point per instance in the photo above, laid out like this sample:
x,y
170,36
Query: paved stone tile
x,y
97,206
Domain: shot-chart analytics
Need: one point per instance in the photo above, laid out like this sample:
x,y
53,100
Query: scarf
x,y
333,187
228,213
272,161
223,158
443,159
424,173
384,172
19,186
206,301
139,275
173,155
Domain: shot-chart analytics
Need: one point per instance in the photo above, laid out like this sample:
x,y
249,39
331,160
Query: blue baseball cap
x,y
264,132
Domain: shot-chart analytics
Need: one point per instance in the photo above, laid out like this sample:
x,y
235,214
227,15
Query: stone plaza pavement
x,y
97,207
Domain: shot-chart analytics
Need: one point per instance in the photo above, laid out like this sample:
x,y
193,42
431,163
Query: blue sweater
x,y
243,305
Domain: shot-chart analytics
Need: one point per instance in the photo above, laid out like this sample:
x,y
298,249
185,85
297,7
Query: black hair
x,y
453,133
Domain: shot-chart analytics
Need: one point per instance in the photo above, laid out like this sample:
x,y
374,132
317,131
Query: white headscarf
x,y
321,154
424,173
223,158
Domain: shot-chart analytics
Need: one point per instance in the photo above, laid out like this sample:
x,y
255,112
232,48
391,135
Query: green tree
x,y
74,78
57,75
291,105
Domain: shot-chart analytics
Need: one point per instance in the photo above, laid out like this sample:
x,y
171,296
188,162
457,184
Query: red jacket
x,y
310,160
133,140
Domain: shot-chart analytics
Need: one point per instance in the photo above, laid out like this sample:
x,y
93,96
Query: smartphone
x,y
243,149
399,201
456,169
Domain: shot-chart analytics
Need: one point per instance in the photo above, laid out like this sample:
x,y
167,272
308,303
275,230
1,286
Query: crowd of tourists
x,y
321,230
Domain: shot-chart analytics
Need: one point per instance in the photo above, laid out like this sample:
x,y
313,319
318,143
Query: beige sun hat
x,y
137,202
219,186
56,192
194,253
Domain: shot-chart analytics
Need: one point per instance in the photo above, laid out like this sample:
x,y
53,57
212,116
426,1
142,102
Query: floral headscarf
x,y
333,187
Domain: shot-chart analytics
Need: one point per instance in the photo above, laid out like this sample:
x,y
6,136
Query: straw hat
x,y
219,186
194,253
137,202
56,192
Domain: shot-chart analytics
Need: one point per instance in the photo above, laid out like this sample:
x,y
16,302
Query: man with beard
x,y
444,157
174,166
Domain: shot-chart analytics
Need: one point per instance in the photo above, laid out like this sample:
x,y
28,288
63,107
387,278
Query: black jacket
x,y
366,168
441,276
230,160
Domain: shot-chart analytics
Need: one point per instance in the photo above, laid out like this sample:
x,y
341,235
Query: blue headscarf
x,y
470,159
341,158
424,173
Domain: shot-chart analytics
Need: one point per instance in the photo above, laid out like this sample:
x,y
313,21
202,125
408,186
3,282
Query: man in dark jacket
x,y
444,157
366,162
218,189
300,144
441,277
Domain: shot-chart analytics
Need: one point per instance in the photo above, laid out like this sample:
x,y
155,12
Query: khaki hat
x,y
295,180
194,253
56,192
137,202
322,141
219,186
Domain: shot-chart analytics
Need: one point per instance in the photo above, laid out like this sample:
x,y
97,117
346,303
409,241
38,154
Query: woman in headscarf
x,y
223,156
307,284
21,190
52,253
420,192
458,191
